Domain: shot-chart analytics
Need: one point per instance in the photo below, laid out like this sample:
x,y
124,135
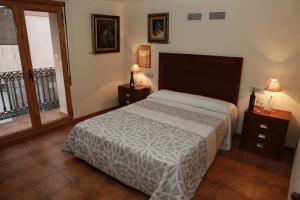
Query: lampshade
x,y
273,86
135,68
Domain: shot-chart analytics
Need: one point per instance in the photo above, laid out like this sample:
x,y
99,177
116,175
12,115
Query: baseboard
x,y
80,119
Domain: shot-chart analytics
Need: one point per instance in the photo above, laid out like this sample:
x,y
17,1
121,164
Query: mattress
x,y
162,145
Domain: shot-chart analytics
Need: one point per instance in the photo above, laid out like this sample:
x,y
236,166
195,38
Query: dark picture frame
x,y
106,33
158,28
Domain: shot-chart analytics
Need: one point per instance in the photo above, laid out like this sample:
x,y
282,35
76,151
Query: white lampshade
x,y
135,68
273,86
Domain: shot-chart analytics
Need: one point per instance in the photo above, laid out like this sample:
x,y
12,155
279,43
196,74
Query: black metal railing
x,y
13,98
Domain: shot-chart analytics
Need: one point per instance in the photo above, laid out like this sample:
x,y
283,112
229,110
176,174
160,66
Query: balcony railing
x,y
13,98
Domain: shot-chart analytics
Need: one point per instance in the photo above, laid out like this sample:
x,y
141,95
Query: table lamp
x,y
134,69
273,85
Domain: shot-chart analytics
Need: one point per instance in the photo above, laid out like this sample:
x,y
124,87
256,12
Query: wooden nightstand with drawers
x,y
129,95
264,133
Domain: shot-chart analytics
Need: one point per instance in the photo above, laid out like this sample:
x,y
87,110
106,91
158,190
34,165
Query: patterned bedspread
x,y
159,148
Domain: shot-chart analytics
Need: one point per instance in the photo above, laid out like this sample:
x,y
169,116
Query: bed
x,y
163,145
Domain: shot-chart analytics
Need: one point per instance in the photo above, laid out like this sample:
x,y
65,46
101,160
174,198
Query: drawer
x,y
260,126
263,135
126,101
262,147
127,94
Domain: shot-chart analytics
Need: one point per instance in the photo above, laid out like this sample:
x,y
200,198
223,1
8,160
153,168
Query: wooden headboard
x,y
212,76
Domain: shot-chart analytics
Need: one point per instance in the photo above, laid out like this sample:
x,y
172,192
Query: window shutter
x,y
7,27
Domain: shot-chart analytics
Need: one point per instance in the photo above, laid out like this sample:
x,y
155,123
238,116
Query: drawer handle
x,y
127,95
127,102
263,126
262,136
260,145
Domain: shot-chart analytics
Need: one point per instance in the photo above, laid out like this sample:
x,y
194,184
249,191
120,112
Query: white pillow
x,y
195,101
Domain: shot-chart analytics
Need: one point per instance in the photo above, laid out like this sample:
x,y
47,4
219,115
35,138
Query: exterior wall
x,y
9,58
40,43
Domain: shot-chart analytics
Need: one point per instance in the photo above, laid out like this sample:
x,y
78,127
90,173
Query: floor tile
x,y
207,190
5,170
278,167
266,192
112,190
240,184
48,152
91,182
25,193
75,169
223,162
36,173
226,193
39,169
272,179
10,185
15,152
39,144
2,159
216,174
136,195
70,193
51,184
61,160
25,162
245,170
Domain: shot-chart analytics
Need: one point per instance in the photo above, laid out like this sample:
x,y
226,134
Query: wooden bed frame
x,y
212,76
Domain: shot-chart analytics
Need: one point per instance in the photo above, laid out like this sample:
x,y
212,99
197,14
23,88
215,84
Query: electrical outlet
x,y
149,75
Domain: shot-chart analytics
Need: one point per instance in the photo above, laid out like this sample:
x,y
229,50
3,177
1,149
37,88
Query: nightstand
x,y
264,133
129,95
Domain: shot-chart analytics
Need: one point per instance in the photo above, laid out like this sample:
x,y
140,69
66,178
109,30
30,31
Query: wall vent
x,y
217,15
194,16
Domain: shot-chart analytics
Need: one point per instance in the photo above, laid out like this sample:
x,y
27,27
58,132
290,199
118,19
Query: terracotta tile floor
x,y
37,169
24,122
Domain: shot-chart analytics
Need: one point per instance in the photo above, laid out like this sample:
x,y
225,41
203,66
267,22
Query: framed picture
x,y
158,28
106,33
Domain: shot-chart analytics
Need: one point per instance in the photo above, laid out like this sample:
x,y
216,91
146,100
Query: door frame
x,y
18,7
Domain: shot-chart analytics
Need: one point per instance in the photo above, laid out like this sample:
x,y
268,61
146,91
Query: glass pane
x,y
14,111
43,37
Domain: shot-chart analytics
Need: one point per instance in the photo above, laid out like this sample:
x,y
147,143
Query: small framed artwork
x,y
158,28
106,33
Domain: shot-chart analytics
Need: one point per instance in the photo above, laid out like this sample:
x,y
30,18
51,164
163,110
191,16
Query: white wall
x,y
265,33
94,77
